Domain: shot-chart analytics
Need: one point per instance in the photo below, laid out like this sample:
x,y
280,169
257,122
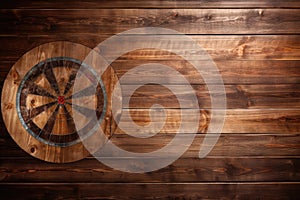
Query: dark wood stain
x,y
256,46
229,145
190,169
189,21
144,190
92,4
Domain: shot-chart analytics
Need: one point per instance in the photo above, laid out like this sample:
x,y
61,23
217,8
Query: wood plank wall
x,y
255,44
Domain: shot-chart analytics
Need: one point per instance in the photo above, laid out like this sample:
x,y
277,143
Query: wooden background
x,y
255,44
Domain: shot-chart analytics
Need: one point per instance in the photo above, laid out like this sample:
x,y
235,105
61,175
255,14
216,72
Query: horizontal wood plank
x,y
188,21
257,121
151,191
237,96
182,170
236,121
232,72
219,47
92,4
240,145
235,145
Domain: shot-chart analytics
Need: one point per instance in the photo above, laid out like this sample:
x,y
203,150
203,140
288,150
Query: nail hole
x,y
32,149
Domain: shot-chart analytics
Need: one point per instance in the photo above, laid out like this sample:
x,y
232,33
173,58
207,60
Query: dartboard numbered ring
x,y
38,102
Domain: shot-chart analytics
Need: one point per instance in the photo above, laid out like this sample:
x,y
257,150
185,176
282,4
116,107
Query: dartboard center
x,y
61,100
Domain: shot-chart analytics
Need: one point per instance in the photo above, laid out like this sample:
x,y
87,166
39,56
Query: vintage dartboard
x,y
39,103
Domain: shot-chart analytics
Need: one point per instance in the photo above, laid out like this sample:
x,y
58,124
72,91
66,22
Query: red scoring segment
x,y
61,100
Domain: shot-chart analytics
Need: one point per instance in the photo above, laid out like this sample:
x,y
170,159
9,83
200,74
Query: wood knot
x,y
175,14
207,17
241,50
204,120
15,74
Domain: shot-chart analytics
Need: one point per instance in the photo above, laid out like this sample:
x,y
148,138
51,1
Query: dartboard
x,y
39,102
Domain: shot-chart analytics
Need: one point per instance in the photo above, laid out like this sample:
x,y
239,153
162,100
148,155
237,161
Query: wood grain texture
x,y
240,59
182,170
275,121
255,45
233,72
228,145
92,4
188,21
236,120
237,96
263,190
219,47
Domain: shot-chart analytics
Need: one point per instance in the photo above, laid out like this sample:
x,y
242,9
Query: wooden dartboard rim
x,y
51,152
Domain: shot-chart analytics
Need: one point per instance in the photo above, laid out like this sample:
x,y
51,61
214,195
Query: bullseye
x,y
61,100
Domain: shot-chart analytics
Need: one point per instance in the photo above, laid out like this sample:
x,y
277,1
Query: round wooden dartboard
x,y
39,103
